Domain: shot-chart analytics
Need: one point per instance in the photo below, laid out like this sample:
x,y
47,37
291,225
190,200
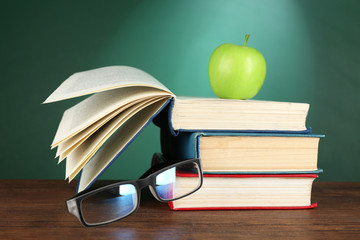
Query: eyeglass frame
x,y
146,180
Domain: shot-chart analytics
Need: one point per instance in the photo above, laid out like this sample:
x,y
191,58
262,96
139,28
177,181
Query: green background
x,y
311,48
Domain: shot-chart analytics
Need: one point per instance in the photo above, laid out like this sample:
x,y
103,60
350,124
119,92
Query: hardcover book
x,y
245,191
124,100
228,152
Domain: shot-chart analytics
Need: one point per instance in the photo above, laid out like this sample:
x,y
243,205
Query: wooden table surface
x,y
35,209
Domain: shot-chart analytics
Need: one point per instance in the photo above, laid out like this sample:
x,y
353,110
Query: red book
x,y
247,191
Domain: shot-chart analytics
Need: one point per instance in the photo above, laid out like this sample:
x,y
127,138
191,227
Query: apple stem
x,y
246,38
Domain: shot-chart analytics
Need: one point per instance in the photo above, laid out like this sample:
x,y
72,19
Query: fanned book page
x,y
82,154
110,150
66,147
124,98
102,79
95,107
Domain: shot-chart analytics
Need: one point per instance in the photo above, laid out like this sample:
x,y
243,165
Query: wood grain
x,y
35,209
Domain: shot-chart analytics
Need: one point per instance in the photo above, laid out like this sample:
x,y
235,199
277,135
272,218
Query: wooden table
x,y
35,209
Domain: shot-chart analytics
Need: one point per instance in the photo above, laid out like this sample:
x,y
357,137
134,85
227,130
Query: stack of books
x,y
255,154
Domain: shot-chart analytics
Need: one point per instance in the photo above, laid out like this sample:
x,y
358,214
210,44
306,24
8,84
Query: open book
x,y
124,100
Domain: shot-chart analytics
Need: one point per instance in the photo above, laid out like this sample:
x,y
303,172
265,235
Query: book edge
x,y
311,206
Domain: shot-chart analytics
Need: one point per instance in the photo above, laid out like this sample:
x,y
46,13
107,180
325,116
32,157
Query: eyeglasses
x,y
167,182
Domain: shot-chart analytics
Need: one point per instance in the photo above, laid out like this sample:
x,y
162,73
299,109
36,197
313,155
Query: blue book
x,y
245,152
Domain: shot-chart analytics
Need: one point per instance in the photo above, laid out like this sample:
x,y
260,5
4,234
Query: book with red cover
x,y
248,191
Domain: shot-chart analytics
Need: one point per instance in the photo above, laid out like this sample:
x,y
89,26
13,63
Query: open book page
x,y
81,155
102,79
95,107
65,147
116,143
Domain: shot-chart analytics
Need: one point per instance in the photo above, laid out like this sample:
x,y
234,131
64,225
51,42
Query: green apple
x,y
236,72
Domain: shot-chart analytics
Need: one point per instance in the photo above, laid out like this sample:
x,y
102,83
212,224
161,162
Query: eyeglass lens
x,y
178,181
109,204
118,202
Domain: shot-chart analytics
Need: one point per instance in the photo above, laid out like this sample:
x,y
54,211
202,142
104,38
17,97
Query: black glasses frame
x,y
147,179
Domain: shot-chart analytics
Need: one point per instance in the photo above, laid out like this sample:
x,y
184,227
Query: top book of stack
x,y
124,100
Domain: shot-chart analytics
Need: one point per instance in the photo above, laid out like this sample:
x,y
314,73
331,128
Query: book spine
x,y
183,146
163,119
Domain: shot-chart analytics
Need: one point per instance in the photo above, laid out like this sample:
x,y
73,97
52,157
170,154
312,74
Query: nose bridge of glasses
x,y
142,183
147,182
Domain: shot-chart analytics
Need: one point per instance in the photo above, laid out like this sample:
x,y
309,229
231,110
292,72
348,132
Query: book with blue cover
x,y
255,153
124,100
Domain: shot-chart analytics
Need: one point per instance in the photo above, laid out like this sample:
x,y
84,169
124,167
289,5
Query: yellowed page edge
x,y
66,147
96,107
87,150
117,142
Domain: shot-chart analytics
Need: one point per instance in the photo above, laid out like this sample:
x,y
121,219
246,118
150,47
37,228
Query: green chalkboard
x,y
311,49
